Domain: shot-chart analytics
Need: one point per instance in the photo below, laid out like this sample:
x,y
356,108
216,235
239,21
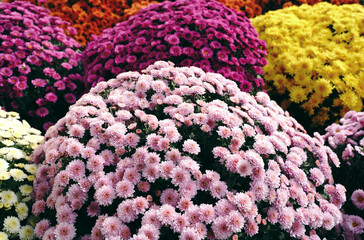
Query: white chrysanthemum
x,y
31,168
4,123
3,236
33,138
26,232
22,210
18,174
7,142
5,134
8,197
4,176
11,224
25,189
15,153
4,165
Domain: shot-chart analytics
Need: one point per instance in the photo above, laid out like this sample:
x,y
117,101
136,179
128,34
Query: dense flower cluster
x,y
17,142
316,60
39,64
91,17
346,138
268,5
198,33
177,152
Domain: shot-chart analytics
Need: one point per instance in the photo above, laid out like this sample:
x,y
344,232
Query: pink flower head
x,y
65,231
358,198
192,147
105,195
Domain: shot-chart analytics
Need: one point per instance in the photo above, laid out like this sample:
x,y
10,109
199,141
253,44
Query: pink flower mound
x,y
179,153
202,33
346,139
39,64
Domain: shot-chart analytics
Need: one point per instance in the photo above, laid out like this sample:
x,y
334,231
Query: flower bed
x,y
17,142
39,65
218,40
316,61
177,152
346,138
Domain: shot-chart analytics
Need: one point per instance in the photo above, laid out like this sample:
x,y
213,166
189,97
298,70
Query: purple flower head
x,y
28,53
200,29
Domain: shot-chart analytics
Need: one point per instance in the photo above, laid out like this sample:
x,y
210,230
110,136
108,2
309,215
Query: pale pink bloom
x,y
235,221
143,186
166,168
204,183
96,234
132,175
286,217
251,228
93,209
179,176
173,155
207,213
124,232
254,158
140,205
111,227
220,152
243,201
88,152
264,147
125,211
124,189
218,189
142,85
152,158
193,214
191,147
76,130
244,168
74,148
151,173
224,132
179,223
358,198
75,193
105,195
297,230
149,231
317,176
272,178
41,227
62,178
282,197
220,228
223,207
102,181
95,163
272,215
65,231
65,214
260,190
152,141
151,217
278,143
184,203
200,118
172,134
328,221
76,169
189,234
169,196
166,214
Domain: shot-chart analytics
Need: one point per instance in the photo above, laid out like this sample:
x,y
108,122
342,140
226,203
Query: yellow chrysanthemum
x,y
31,168
298,94
323,41
323,87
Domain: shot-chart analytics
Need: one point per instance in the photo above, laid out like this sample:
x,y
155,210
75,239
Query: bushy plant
x,y
39,64
17,142
180,153
346,138
199,33
316,61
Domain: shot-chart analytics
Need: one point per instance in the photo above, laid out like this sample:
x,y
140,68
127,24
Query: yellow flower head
x,y
324,42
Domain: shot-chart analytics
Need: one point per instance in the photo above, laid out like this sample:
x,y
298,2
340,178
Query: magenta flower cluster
x,y
346,138
202,33
180,153
39,64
